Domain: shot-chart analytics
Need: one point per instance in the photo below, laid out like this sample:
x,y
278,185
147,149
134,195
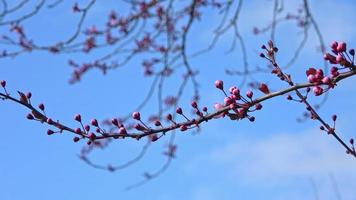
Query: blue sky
x,y
273,158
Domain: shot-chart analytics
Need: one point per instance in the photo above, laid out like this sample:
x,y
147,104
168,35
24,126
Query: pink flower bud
x,y
179,111
158,123
249,94
29,116
78,131
87,128
50,132
232,89
263,88
139,127
312,78
334,117
228,101
115,121
258,106
319,74
169,117
153,138
339,58
136,115
219,84
183,128
218,106
236,92
92,136
94,122
334,45
50,121
29,95
41,106
311,71
341,47
76,139
194,104
78,117
333,69
241,112
122,131
317,90
326,80
3,83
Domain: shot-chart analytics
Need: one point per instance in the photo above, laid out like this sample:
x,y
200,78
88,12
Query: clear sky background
x,y
274,158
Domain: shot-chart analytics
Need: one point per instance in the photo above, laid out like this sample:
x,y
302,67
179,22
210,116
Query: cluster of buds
x,y
340,55
237,102
317,77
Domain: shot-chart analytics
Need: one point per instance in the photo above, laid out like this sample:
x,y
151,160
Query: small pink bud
x,y
317,90
136,115
333,69
263,88
29,95
219,84
322,128
78,117
236,92
50,121
289,97
76,139
312,78
241,112
249,94
218,106
351,141
50,132
326,80
179,111
334,117
258,106
139,127
311,71
122,131
87,128
183,128
78,131
158,123
115,121
334,45
232,88
262,55
92,136
341,47
94,122
194,104
228,101
339,58
352,52
205,109
319,74
169,117
3,83
41,106
29,116
252,119
153,138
